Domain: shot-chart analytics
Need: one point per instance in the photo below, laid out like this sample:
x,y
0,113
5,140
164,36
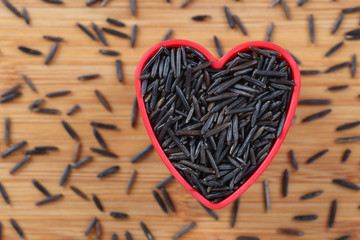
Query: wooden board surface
x,y
78,55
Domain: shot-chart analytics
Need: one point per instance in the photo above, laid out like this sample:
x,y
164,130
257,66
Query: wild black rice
x,y
12,8
338,87
97,202
109,52
76,153
184,230
346,184
10,90
133,7
79,192
99,34
87,31
29,50
7,131
285,183
88,77
118,33
114,236
70,130
345,237
348,139
293,160
65,175
211,212
317,156
142,153
10,97
4,194
286,9
26,16
353,66
311,28
337,67
337,23
168,200
235,212
269,32
51,53
41,188
29,82
240,24
168,35
348,126
160,201
218,46
119,71
103,125
351,10
267,196
317,115
315,101
309,72
46,110
346,155
13,148
290,232
53,38
201,17
72,110
185,3
301,2
164,182
54,1
306,217
128,235
17,227
312,194
131,181
91,2
134,112
91,226
99,138
115,22
103,100
19,164
104,153
229,17
108,171
58,93
49,199
119,215
334,48
147,232
332,217
247,238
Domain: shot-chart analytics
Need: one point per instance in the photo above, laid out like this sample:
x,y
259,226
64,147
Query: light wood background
x,y
78,55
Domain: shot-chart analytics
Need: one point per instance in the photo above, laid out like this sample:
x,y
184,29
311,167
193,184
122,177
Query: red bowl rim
x,y
218,64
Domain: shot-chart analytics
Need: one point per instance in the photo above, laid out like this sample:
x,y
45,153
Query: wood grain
x,y
78,55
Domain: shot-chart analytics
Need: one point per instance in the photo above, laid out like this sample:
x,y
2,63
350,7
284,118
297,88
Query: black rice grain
x,y
351,10
337,23
104,152
164,182
229,17
49,199
348,126
103,100
311,28
312,195
185,3
267,196
286,9
306,217
19,164
337,67
46,110
315,101
114,236
160,201
51,53
4,194
310,72
134,112
58,94
346,155
98,230
10,97
115,22
7,131
91,2
338,87
118,33
13,148
168,35
65,175
218,46
12,8
91,226
99,34
317,156
97,202
53,38
88,77
133,35
353,66
29,50
210,211
72,110
269,32
295,58
119,71
26,16
128,235
348,139
184,230
142,153
285,183
79,192
168,200
201,17
54,1
133,7
316,116
147,232
109,52
240,24
301,2
247,238
69,130
99,138
235,212
334,48
41,188
345,237
29,82
346,184
131,182
119,215
332,217
17,228
87,31
290,232
293,160
104,125
108,171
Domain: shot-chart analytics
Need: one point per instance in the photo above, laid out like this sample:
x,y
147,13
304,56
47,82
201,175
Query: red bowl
x,y
218,64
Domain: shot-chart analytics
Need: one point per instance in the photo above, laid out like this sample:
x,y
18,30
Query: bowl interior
x,y
217,64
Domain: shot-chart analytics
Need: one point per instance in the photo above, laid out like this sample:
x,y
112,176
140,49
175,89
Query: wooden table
x,y
78,55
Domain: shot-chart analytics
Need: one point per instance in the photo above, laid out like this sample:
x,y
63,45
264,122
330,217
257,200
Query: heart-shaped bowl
x,y
217,64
